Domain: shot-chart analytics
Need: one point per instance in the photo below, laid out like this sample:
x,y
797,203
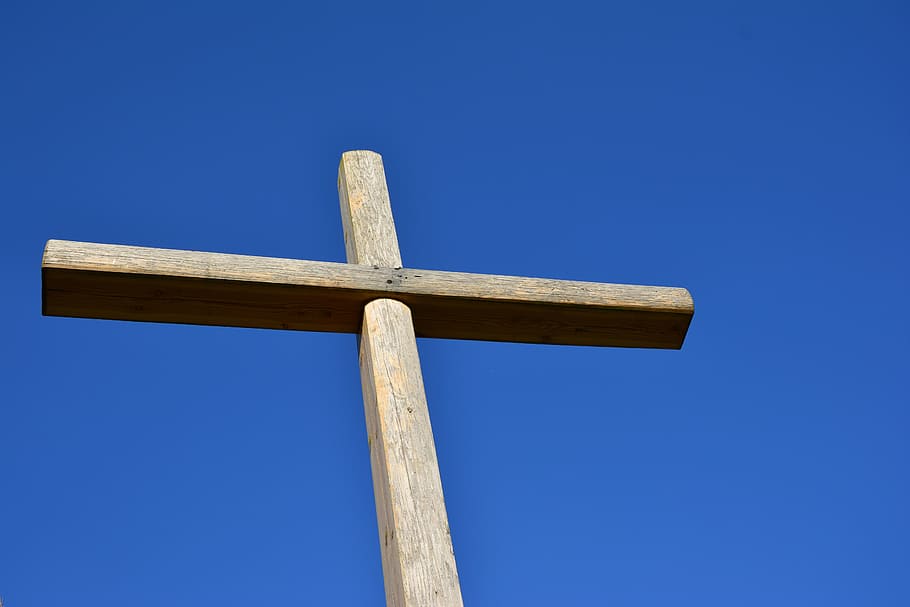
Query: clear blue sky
x,y
757,153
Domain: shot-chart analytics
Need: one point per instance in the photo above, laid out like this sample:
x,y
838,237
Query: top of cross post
x,y
366,211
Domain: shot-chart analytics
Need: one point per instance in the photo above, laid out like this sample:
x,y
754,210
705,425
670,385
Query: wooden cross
x,y
388,306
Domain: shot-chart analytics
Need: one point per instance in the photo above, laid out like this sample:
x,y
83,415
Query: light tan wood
x,y
163,285
366,211
418,562
389,307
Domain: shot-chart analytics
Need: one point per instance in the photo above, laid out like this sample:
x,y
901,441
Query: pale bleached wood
x,y
418,561
389,307
163,285
366,211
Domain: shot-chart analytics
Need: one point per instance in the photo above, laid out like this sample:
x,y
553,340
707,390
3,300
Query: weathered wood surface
x,y
163,285
389,307
366,211
418,562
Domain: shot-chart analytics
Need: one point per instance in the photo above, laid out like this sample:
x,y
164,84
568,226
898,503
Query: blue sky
x,y
756,153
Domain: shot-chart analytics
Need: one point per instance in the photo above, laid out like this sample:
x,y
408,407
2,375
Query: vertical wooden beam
x,y
366,211
418,563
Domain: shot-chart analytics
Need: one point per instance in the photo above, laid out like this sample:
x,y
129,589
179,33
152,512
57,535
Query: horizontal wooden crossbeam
x,y
163,285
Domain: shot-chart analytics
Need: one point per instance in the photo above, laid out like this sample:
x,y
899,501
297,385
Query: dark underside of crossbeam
x,y
157,285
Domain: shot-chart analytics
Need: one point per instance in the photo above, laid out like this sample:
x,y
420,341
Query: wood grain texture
x,y
366,211
163,285
418,562
389,307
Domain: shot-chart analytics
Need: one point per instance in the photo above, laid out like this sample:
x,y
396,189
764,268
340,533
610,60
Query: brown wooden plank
x,y
164,285
418,562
